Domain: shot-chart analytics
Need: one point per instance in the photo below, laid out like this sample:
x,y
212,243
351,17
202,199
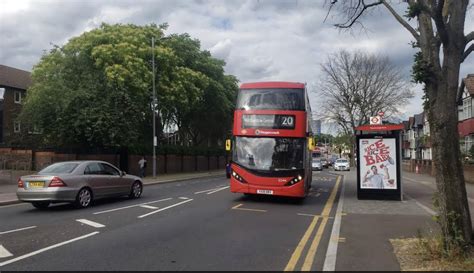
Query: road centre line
x,y
4,252
137,205
331,253
165,208
198,192
148,207
15,230
90,223
223,188
238,207
308,262
47,248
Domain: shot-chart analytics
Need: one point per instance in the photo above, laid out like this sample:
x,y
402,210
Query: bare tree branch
x,y
467,52
355,86
358,11
470,37
401,20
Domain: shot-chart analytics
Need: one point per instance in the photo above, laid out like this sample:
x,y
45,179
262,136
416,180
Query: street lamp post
x,y
153,107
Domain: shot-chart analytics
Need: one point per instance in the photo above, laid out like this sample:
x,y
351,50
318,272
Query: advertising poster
x,y
378,158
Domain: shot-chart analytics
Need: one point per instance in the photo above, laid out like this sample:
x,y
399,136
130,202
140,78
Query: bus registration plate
x,y
265,192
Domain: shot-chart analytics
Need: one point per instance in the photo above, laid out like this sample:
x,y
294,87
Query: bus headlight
x,y
238,177
294,180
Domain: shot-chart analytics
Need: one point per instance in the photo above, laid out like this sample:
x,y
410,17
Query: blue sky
x,y
260,40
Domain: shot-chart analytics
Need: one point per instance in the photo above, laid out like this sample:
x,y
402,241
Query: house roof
x,y
13,77
406,125
419,119
467,82
411,121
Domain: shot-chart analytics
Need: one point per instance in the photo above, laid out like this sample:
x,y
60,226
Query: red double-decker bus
x,y
270,151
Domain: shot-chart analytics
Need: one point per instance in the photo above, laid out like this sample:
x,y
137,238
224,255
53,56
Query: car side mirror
x,y
123,173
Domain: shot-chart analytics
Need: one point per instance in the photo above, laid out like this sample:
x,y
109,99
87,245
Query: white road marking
x,y
111,210
47,248
13,205
90,223
198,192
331,253
4,252
18,229
223,188
305,214
430,211
148,207
183,198
165,208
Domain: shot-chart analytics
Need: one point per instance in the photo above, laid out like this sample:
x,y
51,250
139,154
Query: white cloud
x,y
258,39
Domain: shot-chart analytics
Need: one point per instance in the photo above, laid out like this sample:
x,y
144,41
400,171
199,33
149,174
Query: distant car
x,y
316,164
325,162
341,165
78,182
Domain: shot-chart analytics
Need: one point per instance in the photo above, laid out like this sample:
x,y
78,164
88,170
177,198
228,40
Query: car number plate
x,y
36,184
265,191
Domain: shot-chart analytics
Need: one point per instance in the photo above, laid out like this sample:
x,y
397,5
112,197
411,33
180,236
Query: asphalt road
x,y
190,225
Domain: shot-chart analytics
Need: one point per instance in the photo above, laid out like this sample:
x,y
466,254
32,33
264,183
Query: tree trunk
x,y
454,216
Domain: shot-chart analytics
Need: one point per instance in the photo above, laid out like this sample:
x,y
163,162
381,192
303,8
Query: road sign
x,y
381,113
376,120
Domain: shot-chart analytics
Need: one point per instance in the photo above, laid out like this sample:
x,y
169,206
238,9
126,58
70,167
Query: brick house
x,y
466,113
13,85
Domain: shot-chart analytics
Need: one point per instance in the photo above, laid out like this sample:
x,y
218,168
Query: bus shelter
x,y
378,153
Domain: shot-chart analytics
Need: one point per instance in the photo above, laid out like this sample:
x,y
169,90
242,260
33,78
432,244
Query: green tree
x,y
96,90
443,47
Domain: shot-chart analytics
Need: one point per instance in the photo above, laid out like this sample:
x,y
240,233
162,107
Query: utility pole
x,y
153,107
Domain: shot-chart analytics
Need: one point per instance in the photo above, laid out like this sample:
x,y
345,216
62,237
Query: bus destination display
x,y
268,121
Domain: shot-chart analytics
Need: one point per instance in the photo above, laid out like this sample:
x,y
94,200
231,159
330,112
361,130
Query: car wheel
x,y
83,198
136,191
41,205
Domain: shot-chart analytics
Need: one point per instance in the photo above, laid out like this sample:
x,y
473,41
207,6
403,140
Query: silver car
x,y
78,182
342,165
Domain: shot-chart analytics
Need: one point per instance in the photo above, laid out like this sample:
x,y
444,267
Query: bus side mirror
x,y
228,144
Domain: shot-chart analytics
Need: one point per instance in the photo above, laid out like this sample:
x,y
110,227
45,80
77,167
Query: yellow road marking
x,y
297,253
238,207
308,262
312,215
299,249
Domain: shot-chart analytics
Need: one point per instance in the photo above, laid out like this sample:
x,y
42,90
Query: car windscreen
x,y
341,161
269,154
57,168
271,99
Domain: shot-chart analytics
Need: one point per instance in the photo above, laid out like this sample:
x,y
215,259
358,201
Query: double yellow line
x,y
308,262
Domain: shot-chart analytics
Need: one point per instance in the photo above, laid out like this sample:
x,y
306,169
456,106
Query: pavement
x,y
8,191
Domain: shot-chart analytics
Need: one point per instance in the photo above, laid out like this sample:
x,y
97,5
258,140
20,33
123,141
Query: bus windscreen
x,y
269,154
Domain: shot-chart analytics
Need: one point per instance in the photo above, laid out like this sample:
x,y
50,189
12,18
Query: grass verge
x,y
426,254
